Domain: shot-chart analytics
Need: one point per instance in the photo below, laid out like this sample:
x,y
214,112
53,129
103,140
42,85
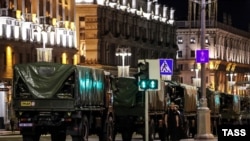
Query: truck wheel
x,y
110,129
83,132
151,130
84,129
31,137
27,138
58,136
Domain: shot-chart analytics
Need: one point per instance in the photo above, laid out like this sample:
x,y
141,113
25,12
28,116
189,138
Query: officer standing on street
x,y
172,122
12,123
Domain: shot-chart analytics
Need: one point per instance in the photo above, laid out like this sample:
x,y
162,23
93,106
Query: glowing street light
x,y
196,80
44,54
231,81
123,52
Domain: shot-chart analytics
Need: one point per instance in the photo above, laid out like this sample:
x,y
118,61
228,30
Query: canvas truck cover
x,y
127,100
156,99
213,101
43,79
90,87
126,91
190,98
229,103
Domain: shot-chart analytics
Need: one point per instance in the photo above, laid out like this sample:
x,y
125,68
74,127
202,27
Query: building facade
x,y
27,25
133,28
112,35
86,32
228,51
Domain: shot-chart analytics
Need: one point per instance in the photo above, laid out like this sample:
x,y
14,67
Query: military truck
x,y
61,99
129,109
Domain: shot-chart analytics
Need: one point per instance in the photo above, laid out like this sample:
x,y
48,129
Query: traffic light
x,y
143,75
143,84
143,68
148,76
153,84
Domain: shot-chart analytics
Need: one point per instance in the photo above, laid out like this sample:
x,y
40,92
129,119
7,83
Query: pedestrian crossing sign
x,y
166,66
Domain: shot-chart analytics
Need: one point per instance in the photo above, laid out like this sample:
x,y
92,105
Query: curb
x,y
6,133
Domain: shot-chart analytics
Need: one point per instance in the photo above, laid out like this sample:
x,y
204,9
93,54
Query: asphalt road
x,y
16,137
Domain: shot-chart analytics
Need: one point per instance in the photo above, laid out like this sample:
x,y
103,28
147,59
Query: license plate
x,y
26,103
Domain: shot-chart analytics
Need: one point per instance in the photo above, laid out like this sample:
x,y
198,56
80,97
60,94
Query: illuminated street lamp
x,y
247,75
231,80
123,52
196,80
44,54
203,112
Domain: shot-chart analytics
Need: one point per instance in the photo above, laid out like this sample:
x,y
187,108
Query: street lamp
x,y
203,112
44,54
196,80
231,81
123,52
247,75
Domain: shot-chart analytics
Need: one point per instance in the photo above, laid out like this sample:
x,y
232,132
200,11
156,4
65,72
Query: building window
x,y
4,57
192,40
55,59
181,79
20,58
180,67
192,78
180,40
192,53
179,54
28,58
82,28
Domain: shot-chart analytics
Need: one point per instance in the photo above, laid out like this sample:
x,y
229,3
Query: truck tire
x,y
84,129
110,129
58,136
83,132
151,130
31,137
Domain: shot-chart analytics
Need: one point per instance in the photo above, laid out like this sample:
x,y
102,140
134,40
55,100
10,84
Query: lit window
x,y
180,40
192,40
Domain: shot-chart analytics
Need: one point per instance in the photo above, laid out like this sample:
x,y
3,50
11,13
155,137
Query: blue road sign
x,y
166,66
202,56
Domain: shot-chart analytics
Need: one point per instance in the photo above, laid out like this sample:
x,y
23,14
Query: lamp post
x,y
44,54
247,75
248,79
196,80
123,52
231,81
203,112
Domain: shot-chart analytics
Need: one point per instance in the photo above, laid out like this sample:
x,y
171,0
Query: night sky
x,y
238,9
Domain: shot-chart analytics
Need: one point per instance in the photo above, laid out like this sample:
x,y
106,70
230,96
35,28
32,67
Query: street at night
x,y
16,137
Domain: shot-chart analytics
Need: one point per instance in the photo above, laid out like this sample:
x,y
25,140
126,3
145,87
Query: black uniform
x,y
12,123
172,117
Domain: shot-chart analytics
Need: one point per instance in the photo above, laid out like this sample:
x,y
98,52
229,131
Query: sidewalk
x,y
192,139
4,132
